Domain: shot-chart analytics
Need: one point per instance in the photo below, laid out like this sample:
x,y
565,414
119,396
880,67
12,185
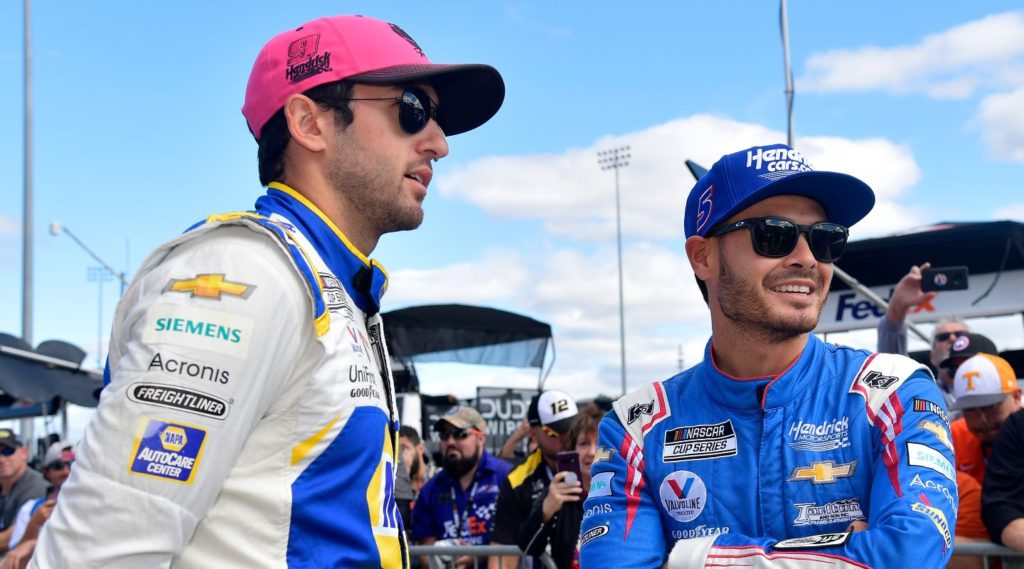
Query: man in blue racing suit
x,y
777,450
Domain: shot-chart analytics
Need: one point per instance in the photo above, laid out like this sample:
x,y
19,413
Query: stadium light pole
x,y
56,229
616,159
99,275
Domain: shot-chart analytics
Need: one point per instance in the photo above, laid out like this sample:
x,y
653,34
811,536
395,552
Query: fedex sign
x,y
849,308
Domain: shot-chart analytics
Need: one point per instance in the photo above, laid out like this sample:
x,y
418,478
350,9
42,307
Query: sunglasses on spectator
x,y
7,451
944,336
415,109
457,434
550,432
777,237
59,465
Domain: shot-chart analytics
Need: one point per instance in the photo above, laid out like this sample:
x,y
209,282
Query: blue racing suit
x,y
706,470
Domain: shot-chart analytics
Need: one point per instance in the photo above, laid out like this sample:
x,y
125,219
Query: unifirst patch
x,y
167,450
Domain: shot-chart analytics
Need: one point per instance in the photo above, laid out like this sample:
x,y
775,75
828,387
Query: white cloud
x,y
1012,211
9,226
951,64
576,199
1001,117
498,276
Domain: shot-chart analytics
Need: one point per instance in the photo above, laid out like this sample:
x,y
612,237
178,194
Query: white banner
x,y
848,310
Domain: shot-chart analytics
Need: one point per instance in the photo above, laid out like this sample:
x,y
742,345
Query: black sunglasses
x,y
8,451
59,465
415,109
457,434
777,237
943,336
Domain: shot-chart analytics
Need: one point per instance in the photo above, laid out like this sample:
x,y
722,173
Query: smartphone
x,y
569,461
944,278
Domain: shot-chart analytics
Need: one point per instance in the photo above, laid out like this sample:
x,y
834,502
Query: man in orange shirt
x,y
986,391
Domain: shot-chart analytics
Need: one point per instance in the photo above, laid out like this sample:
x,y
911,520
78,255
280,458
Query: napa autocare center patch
x,y
168,450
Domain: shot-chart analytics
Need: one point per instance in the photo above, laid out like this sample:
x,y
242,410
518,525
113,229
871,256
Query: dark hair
x,y
407,432
275,135
586,420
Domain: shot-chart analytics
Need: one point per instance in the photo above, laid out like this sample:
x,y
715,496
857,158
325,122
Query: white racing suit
x,y
249,420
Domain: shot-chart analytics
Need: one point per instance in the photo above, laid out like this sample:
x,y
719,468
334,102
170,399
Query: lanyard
x,y
462,518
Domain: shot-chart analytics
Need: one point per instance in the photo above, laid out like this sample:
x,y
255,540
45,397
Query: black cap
x,y
967,346
9,439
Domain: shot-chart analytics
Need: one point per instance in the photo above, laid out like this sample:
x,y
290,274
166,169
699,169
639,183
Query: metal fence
x,y
1012,559
442,556
445,555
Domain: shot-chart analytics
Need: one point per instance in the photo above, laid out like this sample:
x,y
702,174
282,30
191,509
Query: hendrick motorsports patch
x,y
815,541
179,398
699,442
168,450
592,534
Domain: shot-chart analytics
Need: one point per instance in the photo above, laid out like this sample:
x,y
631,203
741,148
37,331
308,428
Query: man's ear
x,y
307,122
702,258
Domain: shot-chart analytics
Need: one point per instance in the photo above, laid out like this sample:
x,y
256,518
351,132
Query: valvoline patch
x,y
168,450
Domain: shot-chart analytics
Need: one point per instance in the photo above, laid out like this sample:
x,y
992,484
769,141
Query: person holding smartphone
x,y
555,518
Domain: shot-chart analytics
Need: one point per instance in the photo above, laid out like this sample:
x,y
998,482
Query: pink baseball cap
x,y
365,50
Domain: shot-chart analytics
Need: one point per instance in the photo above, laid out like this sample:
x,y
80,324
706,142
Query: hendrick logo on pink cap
x,y
371,51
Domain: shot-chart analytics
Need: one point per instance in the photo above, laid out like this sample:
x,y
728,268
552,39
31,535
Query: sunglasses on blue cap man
x,y
741,179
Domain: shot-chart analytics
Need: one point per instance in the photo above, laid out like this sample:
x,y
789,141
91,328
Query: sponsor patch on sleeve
x,y
601,484
937,518
924,455
815,541
938,430
198,328
925,406
179,398
168,450
592,534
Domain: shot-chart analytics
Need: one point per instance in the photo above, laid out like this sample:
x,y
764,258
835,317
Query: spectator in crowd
x,y
964,347
34,513
555,518
1002,500
456,506
892,329
414,457
18,482
986,391
549,415
777,450
969,527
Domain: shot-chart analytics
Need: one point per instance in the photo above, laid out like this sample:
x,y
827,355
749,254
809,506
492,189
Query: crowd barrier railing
x,y
479,553
1012,559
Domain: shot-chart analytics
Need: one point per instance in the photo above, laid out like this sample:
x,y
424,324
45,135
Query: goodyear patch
x,y
168,450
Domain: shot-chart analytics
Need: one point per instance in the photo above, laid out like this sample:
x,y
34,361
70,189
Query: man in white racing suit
x,y
249,418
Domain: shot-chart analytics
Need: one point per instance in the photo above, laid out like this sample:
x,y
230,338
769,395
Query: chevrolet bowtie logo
x,y
823,472
939,432
210,286
602,454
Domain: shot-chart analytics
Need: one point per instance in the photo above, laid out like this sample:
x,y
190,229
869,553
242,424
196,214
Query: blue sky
x,y
138,134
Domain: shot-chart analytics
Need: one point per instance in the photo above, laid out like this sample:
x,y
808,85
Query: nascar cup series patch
x,y
167,450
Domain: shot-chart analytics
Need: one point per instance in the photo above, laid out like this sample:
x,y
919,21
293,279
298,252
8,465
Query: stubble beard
x,y
741,303
368,183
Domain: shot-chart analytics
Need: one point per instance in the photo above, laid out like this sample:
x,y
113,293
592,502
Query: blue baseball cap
x,y
744,178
